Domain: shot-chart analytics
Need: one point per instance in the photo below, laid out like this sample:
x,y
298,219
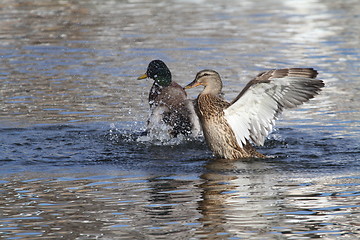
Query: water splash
x,y
158,136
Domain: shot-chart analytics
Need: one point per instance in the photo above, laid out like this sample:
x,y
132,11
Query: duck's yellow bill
x,y
142,76
192,84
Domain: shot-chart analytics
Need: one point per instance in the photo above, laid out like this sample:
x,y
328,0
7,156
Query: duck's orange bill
x,y
192,84
142,76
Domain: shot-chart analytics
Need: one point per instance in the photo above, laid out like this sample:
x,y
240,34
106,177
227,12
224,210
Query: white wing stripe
x,y
253,115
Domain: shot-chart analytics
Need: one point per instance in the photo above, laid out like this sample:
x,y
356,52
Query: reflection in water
x,y
88,206
235,197
252,199
76,61
230,200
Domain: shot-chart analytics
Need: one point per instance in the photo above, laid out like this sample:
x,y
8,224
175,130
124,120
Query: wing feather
x,y
253,113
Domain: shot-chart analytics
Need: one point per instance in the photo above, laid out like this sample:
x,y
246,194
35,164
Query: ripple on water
x,y
65,173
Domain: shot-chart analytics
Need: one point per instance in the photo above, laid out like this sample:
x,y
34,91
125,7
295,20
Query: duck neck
x,y
163,80
213,89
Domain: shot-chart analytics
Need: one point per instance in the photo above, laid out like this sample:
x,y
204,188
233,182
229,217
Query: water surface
x,y
75,166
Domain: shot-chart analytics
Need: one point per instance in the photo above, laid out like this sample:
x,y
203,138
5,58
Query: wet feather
x,y
230,127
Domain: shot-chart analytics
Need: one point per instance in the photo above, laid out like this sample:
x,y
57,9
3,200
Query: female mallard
x,y
229,127
169,104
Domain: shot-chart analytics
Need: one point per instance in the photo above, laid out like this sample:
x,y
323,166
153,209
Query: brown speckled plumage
x,y
229,127
217,132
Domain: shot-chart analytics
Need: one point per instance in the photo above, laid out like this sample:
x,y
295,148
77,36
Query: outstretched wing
x,y
253,112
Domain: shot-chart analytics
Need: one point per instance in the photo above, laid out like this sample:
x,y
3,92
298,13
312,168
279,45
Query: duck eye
x,y
204,75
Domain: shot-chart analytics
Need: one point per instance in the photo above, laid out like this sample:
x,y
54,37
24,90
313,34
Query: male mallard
x,y
229,127
168,102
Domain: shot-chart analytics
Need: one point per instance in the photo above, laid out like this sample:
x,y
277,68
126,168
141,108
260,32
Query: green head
x,y
159,72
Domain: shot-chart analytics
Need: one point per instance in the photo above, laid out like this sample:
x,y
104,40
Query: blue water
x,y
77,145
74,163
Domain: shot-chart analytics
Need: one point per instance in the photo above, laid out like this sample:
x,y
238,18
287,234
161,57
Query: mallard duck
x,y
230,128
169,103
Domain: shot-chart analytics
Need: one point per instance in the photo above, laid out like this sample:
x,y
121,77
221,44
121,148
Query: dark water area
x,y
89,181
75,164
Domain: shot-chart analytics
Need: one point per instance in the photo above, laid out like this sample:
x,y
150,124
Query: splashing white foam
x,y
161,135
